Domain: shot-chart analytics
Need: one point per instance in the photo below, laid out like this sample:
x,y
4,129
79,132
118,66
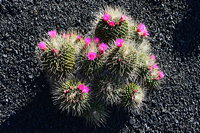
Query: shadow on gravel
x,y
186,37
41,116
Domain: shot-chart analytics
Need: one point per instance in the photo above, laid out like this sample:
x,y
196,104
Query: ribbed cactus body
x,y
58,58
108,92
89,68
107,33
121,61
150,82
132,95
96,115
134,35
70,99
59,64
145,76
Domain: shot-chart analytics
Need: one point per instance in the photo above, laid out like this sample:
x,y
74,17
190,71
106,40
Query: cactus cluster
x,y
114,67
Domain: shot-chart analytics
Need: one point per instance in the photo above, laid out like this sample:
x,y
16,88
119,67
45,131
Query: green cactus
x,y
59,58
132,95
133,35
96,115
121,61
145,76
117,63
89,68
107,33
108,91
70,99
150,82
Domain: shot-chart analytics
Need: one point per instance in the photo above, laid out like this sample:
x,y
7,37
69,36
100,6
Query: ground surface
x,y
25,103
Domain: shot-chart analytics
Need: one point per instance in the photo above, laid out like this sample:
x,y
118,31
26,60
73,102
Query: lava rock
x,y
25,102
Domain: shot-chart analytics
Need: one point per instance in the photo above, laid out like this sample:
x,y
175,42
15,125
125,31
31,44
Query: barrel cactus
x,y
121,60
91,58
115,24
57,54
72,97
132,96
96,115
112,25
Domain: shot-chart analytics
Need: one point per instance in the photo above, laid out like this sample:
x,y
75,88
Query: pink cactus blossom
x,y
106,17
87,41
122,18
150,68
52,33
70,34
91,56
111,23
117,23
157,78
81,86
42,46
85,89
160,76
145,34
155,66
118,59
134,90
64,35
78,37
152,57
119,42
142,30
55,51
65,91
96,40
103,47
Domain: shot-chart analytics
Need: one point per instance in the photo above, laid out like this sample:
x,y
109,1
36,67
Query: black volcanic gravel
x,y
25,103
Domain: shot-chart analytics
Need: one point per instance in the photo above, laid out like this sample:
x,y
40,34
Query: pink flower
x,y
119,42
106,17
111,23
150,68
156,78
96,40
152,57
55,51
70,34
81,86
87,41
42,46
78,37
142,30
65,91
145,34
122,18
52,33
155,66
117,23
85,89
103,47
65,35
134,90
160,76
91,56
